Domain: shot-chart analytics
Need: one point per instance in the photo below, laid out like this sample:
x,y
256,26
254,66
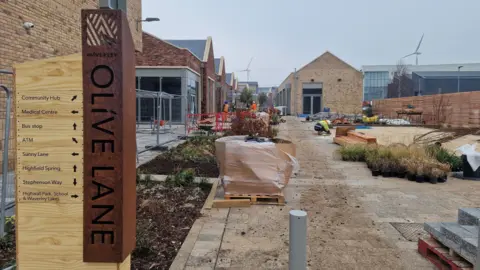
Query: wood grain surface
x,y
49,145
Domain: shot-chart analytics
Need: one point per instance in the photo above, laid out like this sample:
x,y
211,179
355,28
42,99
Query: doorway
x,y
312,97
312,104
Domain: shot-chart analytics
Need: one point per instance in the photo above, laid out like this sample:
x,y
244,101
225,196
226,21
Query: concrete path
x,y
352,216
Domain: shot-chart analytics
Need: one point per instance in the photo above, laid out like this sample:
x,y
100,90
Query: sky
x,y
282,35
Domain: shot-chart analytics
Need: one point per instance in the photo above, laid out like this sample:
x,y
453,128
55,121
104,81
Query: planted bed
x,y
165,213
7,245
197,154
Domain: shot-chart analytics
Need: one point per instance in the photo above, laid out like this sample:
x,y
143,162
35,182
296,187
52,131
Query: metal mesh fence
x,y
7,146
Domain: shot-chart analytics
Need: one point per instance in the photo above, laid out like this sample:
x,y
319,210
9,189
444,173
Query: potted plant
x,y
376,167
401,170
435,174
420,176
371,156
411,169
443,177
386,168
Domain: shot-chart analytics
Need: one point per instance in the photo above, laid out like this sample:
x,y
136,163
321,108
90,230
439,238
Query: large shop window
x,y
172,85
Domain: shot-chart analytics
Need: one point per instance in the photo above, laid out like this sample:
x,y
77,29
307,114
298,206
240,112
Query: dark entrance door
x,y
307,105
317,104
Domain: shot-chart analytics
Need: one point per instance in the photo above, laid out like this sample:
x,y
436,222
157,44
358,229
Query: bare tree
x,y
400,78
441,104
402,84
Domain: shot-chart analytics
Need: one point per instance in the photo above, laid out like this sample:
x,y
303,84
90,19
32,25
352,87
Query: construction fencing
x,y
212,122
7,184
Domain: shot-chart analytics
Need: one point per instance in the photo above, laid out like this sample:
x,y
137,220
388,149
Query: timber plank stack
x,y
347,135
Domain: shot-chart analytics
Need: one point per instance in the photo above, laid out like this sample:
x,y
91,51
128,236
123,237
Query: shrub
x,y
184,178
353,152
445,156
410,165
275,119
244,124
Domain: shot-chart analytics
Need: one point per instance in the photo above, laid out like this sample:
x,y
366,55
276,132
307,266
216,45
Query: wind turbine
x,y
247,69
416,53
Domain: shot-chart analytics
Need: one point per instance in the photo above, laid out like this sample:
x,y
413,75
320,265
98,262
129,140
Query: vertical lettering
x,y
103,234
103,143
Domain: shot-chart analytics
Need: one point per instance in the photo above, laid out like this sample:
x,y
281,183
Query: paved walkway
x,y
351,216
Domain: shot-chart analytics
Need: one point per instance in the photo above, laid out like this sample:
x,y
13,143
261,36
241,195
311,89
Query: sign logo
x,y
101,30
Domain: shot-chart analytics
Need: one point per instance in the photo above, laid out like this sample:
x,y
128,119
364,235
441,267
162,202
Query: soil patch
x,y
165,215
166,166
197,153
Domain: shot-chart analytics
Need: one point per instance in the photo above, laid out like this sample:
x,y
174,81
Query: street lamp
x,y
458,79
149,19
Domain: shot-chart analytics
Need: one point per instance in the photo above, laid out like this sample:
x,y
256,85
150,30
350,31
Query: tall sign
x,y
75,142
109,136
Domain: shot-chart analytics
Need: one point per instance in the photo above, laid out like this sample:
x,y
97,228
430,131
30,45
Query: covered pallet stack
x,y
255,170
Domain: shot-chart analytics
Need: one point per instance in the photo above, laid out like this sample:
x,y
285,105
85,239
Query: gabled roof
x,y
228,78
217,65
196,46
328,53
150,55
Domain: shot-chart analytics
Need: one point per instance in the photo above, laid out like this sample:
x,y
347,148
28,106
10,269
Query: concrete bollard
x,y
477,262
298,240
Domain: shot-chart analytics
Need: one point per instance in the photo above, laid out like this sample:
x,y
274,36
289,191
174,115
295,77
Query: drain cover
x,y
410,231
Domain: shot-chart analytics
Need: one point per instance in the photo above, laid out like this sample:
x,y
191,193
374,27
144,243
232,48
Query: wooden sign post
x,y
75,142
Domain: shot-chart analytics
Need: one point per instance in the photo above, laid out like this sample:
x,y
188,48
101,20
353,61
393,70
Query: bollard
x,y
298,240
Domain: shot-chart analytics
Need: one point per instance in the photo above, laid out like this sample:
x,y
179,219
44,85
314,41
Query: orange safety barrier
x,y
161,123
214,122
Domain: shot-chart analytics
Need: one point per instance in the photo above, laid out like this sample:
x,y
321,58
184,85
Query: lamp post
x,y
149,19
458,79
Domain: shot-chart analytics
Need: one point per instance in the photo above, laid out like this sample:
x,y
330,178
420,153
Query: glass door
x,y
317,104
307,105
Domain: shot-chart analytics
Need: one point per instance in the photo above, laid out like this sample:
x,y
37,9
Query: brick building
x,y
56,32
165,67
326,82
231,86
203,49
57,28
223,87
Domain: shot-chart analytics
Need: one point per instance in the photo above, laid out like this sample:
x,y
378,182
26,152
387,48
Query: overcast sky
x,y
285,34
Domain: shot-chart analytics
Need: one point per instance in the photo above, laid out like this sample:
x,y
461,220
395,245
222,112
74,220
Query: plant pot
x,y
411,177
420,178
433,180
401,174
442,179
376,173
426,178
387,174
369,166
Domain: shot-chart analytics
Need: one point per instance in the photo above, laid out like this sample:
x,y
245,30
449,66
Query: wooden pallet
x,y
275,199
441,256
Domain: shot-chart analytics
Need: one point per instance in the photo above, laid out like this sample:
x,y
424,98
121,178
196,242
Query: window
x,y
116,4
375,85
